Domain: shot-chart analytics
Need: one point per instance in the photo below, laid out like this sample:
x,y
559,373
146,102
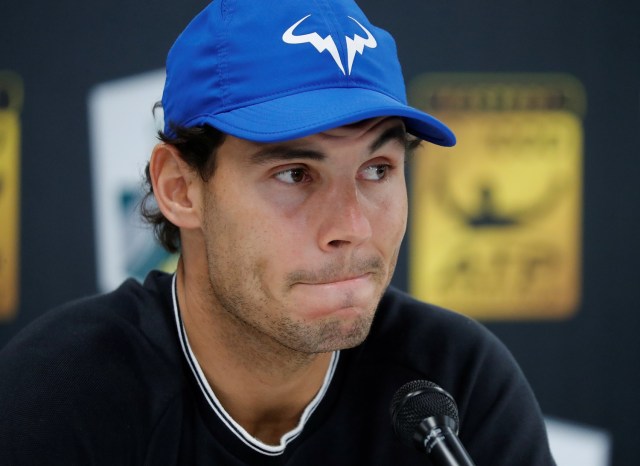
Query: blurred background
x,y
529,224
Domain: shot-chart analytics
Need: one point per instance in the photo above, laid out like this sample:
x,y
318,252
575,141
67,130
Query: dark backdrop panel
x,y
584,369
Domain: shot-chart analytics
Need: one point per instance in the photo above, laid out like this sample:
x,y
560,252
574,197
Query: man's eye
x,y
292,175
375,172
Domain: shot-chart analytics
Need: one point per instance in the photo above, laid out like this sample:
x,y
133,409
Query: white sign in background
x,y
578,445
123,133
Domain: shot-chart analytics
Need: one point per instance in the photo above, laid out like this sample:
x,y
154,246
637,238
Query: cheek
x,y
283,222
228,231
254,234
390,218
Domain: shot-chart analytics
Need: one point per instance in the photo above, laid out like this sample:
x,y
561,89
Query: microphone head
x,y
416,401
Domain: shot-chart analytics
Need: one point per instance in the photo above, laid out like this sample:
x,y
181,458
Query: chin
x,y
344,333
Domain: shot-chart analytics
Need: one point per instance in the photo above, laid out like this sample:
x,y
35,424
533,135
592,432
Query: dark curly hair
x,y
198,147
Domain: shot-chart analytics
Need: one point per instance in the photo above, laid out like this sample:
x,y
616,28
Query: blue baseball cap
x,y
275,70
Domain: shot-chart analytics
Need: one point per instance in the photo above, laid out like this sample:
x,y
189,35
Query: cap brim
x,y
305,113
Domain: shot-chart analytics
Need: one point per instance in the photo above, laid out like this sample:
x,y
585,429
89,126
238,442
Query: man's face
x,y
302,237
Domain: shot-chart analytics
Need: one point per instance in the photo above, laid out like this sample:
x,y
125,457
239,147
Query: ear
x,y
176,186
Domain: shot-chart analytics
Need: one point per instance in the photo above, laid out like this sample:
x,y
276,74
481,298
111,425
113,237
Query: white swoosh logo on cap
x,y
357,44
314,39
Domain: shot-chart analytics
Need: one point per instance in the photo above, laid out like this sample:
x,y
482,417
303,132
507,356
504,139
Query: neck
x,y
263,385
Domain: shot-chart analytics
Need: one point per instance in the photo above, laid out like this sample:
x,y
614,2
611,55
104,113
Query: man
x,y
280,180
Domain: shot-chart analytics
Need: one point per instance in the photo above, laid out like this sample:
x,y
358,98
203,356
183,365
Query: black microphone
x,y
426,417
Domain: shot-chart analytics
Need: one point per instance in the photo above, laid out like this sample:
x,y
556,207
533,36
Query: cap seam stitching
x,y
280,132
221,46
295,91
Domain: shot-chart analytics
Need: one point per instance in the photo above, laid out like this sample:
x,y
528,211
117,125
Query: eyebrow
x,y
395,133
284,152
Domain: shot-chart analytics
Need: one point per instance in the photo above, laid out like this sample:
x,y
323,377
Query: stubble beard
x,y
257,319
264,324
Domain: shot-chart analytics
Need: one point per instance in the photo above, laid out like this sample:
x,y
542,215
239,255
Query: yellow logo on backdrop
x,y
496,220
11,94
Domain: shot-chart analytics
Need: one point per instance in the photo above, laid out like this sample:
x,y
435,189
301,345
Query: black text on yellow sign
x,y
496,221
10,104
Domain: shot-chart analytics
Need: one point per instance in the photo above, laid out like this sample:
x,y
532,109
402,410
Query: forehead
x,y
362,127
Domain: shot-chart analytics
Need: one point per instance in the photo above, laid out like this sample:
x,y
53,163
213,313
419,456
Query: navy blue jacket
x,y
106,381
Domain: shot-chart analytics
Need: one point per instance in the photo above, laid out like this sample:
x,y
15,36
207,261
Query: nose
x,y
344,219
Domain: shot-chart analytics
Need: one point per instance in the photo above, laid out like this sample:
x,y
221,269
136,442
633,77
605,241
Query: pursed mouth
x,y
337,273
335,280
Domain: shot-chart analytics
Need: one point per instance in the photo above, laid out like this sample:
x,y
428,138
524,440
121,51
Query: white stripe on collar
x,y
227,420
